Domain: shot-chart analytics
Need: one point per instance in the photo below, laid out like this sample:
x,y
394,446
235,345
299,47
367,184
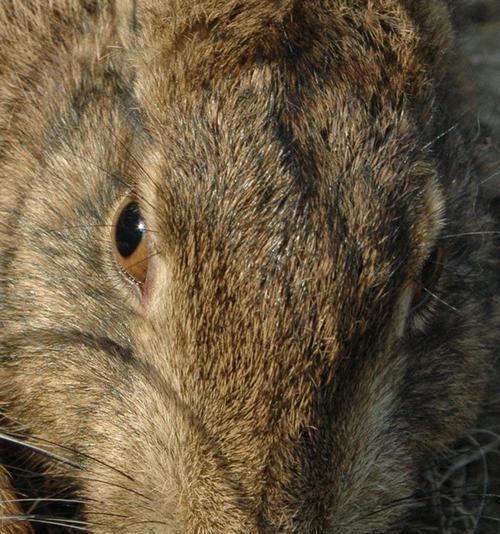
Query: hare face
x,y
237,289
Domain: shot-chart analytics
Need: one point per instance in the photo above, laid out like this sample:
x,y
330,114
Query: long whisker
x,y
434,492
68,462
441,135
442,301
81,477
466,234
130,154
39,450
482,451
114,285
68,523
45,499
74,451
83,226
495,174
112,175
468,459
64,460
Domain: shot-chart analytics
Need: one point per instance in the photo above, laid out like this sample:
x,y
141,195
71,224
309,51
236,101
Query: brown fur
x,y
9,509
295,163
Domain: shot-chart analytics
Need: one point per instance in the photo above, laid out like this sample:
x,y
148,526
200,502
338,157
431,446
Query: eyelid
x,y
130,242
429,277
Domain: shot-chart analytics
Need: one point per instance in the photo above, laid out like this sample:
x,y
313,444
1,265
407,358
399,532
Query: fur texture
x,y
295,163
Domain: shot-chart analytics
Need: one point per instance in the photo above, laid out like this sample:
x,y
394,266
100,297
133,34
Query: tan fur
x,y
295,163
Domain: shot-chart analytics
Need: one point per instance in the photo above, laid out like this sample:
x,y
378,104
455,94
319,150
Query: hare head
x,y
245,273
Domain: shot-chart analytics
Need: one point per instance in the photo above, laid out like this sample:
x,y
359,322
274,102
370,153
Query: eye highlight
x,y
429,277
128,236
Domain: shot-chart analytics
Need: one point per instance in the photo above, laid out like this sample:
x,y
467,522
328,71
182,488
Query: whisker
x,y
494,175
490,518
136,162
466,234
67,523
63,460
38,450
483,452
52,456
466,460
147,258
111,174
441,135
58,279
83,226
79,453
442,301
99,481
45,499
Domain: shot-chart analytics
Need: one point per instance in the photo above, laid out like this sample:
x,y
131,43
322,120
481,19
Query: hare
x,y
247,280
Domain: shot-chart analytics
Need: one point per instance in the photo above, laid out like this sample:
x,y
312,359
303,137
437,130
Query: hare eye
x,y
129,242
429,278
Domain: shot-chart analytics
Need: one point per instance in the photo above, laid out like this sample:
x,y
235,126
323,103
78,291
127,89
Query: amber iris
x,y
129,242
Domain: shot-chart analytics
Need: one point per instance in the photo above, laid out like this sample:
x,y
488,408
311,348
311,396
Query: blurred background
x,y
481,40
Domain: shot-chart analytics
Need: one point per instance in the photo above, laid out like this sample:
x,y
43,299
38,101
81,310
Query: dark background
x,y
481,40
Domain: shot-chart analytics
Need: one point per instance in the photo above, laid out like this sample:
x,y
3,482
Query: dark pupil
x,y
129,230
